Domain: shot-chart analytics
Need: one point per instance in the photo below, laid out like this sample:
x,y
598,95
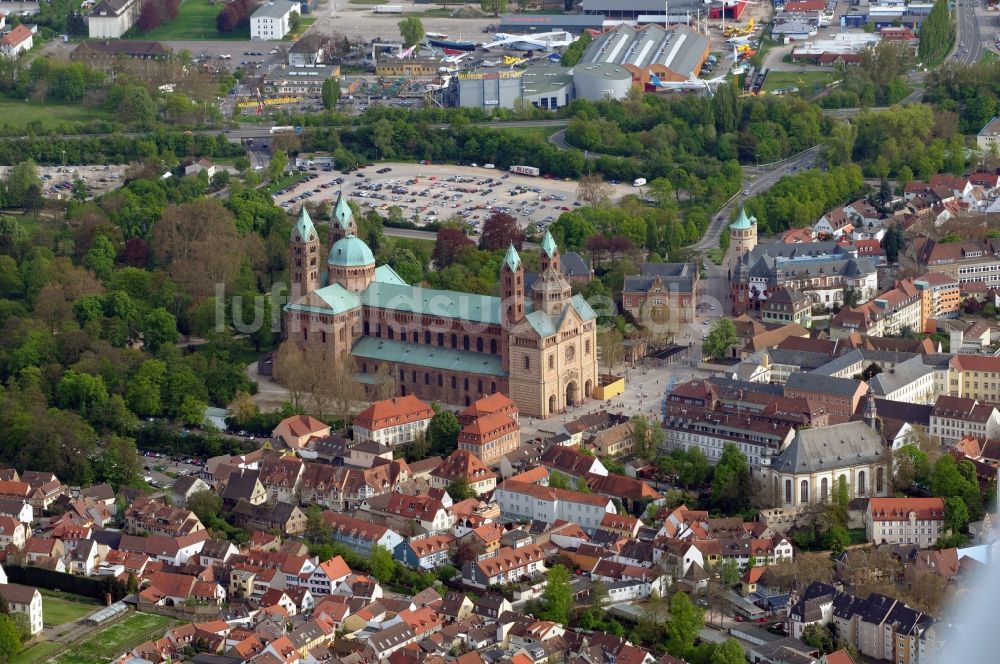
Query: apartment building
x,y
839,396
917,521
966,262
507,566
548,504
490,437
975,377
955,418
945,295
270,21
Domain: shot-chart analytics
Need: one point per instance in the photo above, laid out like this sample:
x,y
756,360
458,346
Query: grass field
x,y
541,132
113,641
35,653
195,20
65,608
808,82
18,113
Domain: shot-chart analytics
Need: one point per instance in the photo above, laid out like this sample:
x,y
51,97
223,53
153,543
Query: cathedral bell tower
x,y
551,291
342,221
511,299
304,257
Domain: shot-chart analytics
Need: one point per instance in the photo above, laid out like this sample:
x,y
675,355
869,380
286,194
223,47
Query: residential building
x,y
296,431
24,600
17,41
787,305
426,553
508,566
271,20
617,440
531,501
464,465
309,50
808,470
359,534
917,521
945,295
490,437
185,487
955,418
13,533
111,19
971,262
910,381
989,135
393,422
285,518
975,377
148,515
900,309
281,477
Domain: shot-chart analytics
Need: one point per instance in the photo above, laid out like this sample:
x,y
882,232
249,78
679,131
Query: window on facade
x,y
454,383
862,485
493,346
527,362
824,490
402,376
879,481
466,382
804,492
570,352
552,361
440,380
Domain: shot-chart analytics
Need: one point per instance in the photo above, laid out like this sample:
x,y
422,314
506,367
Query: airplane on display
x,y
542,41
693,83
454,59
741,40
402,55
513,60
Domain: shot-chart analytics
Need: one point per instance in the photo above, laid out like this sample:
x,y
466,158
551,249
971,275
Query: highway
x,y
970,42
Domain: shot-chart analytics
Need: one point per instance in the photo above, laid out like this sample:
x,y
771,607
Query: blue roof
x,y
431,302
350,252
431,357
386,275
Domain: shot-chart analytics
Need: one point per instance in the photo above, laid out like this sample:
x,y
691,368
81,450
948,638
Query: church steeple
x,y
871,414
303,252
551,290
342,221
512,286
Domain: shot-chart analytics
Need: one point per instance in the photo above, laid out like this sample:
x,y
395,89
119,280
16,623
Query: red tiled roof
x,y
17,36
898,509
391,412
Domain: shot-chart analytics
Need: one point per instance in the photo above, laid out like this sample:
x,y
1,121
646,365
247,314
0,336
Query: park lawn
x,y
18,113
540,132
195,20
65,608
36,653
808,82
113,641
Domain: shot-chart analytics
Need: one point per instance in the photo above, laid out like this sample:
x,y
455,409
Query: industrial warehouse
x,y
614,62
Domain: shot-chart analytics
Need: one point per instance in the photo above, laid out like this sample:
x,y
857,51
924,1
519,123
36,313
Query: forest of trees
x,y
937,34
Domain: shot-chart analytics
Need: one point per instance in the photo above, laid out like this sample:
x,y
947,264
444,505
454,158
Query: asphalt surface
x,y
968,33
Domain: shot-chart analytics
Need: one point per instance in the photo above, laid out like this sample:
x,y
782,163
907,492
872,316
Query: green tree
x,y
729,573
442,433
731,480
19,180
460,489
936,33
557,598
956,515
382,564
495,7
279,162
411,29
729,652
686,620
330,93
10,637
559,480
720,339
647,437
294,23
818,636
206,505
159,327
101,256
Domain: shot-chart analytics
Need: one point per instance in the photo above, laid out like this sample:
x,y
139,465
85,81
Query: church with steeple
x,y
537,344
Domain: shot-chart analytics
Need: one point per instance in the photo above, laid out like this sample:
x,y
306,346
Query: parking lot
x,y
57,181
429,192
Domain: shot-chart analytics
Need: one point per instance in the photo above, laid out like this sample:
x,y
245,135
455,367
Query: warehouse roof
x,y
542,79
679,49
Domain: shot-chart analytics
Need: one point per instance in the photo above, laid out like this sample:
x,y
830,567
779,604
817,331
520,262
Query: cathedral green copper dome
x,y
743,223
350,252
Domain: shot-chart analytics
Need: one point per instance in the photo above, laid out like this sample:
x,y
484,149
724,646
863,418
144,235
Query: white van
x,y
639,182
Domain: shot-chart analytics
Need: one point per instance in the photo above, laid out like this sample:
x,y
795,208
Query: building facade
x,y
393,422
111,19
917,521
271,21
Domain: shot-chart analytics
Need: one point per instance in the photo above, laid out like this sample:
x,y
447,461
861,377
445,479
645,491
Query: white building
x,y
955,418
917,521
270,22
393,422
531,501
911,381
26,600
111,19
989,135
17,41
